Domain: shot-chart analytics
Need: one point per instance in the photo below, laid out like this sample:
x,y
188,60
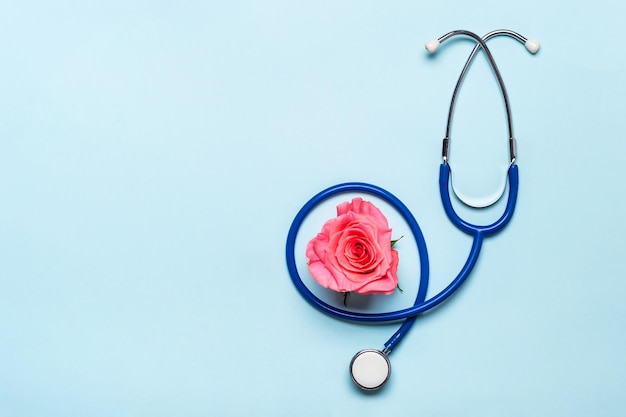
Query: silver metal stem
x,y
481,44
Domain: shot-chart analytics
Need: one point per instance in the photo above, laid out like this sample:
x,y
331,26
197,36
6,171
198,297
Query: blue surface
x,y
153,155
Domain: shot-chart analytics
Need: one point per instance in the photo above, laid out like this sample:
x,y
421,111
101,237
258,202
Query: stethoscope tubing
x,y
469,228
421,304
478,232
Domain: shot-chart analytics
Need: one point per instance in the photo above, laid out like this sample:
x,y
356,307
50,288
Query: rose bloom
x,y
353,251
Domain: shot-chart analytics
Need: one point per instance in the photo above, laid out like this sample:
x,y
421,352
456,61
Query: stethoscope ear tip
x,y
532,45
370,369
432,45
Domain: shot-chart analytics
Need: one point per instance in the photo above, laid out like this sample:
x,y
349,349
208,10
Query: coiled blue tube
x,y
421,304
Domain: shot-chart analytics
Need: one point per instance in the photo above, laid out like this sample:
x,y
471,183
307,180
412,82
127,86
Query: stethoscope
x,y
370,368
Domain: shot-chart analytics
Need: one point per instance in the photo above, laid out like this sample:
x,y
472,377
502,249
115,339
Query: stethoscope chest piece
x,y
370,369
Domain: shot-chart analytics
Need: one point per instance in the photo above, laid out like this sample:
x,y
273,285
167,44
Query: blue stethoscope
x,y
370,368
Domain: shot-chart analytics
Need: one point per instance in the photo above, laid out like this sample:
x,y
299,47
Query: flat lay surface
x,y
154,154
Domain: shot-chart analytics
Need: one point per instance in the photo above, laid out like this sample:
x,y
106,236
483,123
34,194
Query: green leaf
x,y
393,242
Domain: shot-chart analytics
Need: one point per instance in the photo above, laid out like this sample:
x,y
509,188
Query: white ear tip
x,y
432,45
532,45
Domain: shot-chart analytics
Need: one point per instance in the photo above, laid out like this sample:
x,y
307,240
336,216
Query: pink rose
x,y
353,251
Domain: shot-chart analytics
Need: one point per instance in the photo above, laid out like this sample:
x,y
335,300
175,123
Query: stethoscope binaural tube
x,y
370,368
531,45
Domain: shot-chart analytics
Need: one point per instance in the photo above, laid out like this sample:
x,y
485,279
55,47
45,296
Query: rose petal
x,y
359,206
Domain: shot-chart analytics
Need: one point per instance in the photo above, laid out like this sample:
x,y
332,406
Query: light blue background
x,y
154,153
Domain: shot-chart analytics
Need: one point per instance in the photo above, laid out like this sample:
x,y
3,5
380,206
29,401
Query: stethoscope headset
x,y
370,368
